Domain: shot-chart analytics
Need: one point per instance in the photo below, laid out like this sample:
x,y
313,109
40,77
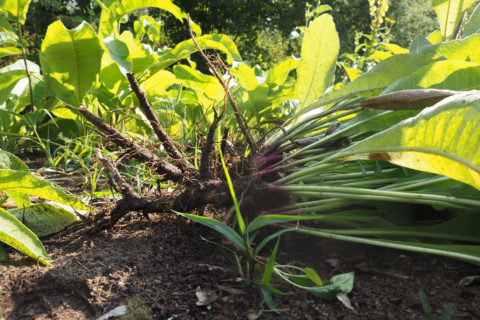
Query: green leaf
x,y
450,14
185,48
319,53
21,199
220,227
70,60
278,74
419,44
473,24
8,80
313,276
342,283
10,161
44,219
114,10
447,74
119,53
141,56
464,49
267,273
381,75
19,237
16,10
442,139
157,84
469,253
192,78
9,51
3,257
25,182
246,76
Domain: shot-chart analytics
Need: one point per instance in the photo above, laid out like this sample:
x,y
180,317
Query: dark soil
x,y
160,265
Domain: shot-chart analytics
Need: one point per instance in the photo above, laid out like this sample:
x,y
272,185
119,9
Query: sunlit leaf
x,y
246,76
24,182
319,53
449,14
44,219
16,10
119,53
9,51
279,73
19,237
464,49
114,10
220,227
70,60
473,24
442,139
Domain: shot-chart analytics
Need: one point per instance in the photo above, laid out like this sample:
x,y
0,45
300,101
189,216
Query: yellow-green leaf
x,y
442,139
16,10
70,60
19,237
44,219
319,56
449,14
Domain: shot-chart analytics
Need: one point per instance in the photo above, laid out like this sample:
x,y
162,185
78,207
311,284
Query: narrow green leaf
x,y
25,182
443,139
313,276
70,60
16,10
218,226
43,218
267,273
407,99
319,53
19,237
473,24
3,256
449,14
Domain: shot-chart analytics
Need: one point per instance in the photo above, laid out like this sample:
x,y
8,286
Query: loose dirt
x,y
160,266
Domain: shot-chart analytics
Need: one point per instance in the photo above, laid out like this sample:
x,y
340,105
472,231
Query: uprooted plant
x,y
390,159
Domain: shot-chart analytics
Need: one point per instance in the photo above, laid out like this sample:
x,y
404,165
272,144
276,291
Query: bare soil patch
x,y
161,263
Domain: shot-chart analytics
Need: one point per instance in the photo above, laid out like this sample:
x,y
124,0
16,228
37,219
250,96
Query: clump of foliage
x,y
362,161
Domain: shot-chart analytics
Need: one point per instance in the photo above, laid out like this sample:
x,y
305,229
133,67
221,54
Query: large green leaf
x,y
10,161
381,75
464,49
447,74
473,24
70,60
119,53
185,48
25,182
114,10
16,10
19,237
44,219
320,48
192,78
442,139
9,51
449,14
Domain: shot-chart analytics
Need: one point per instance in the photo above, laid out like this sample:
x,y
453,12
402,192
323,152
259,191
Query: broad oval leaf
x,y
25,182
19,237
278,74
70,60
43,218
16,10
442,139
450,14
319,52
